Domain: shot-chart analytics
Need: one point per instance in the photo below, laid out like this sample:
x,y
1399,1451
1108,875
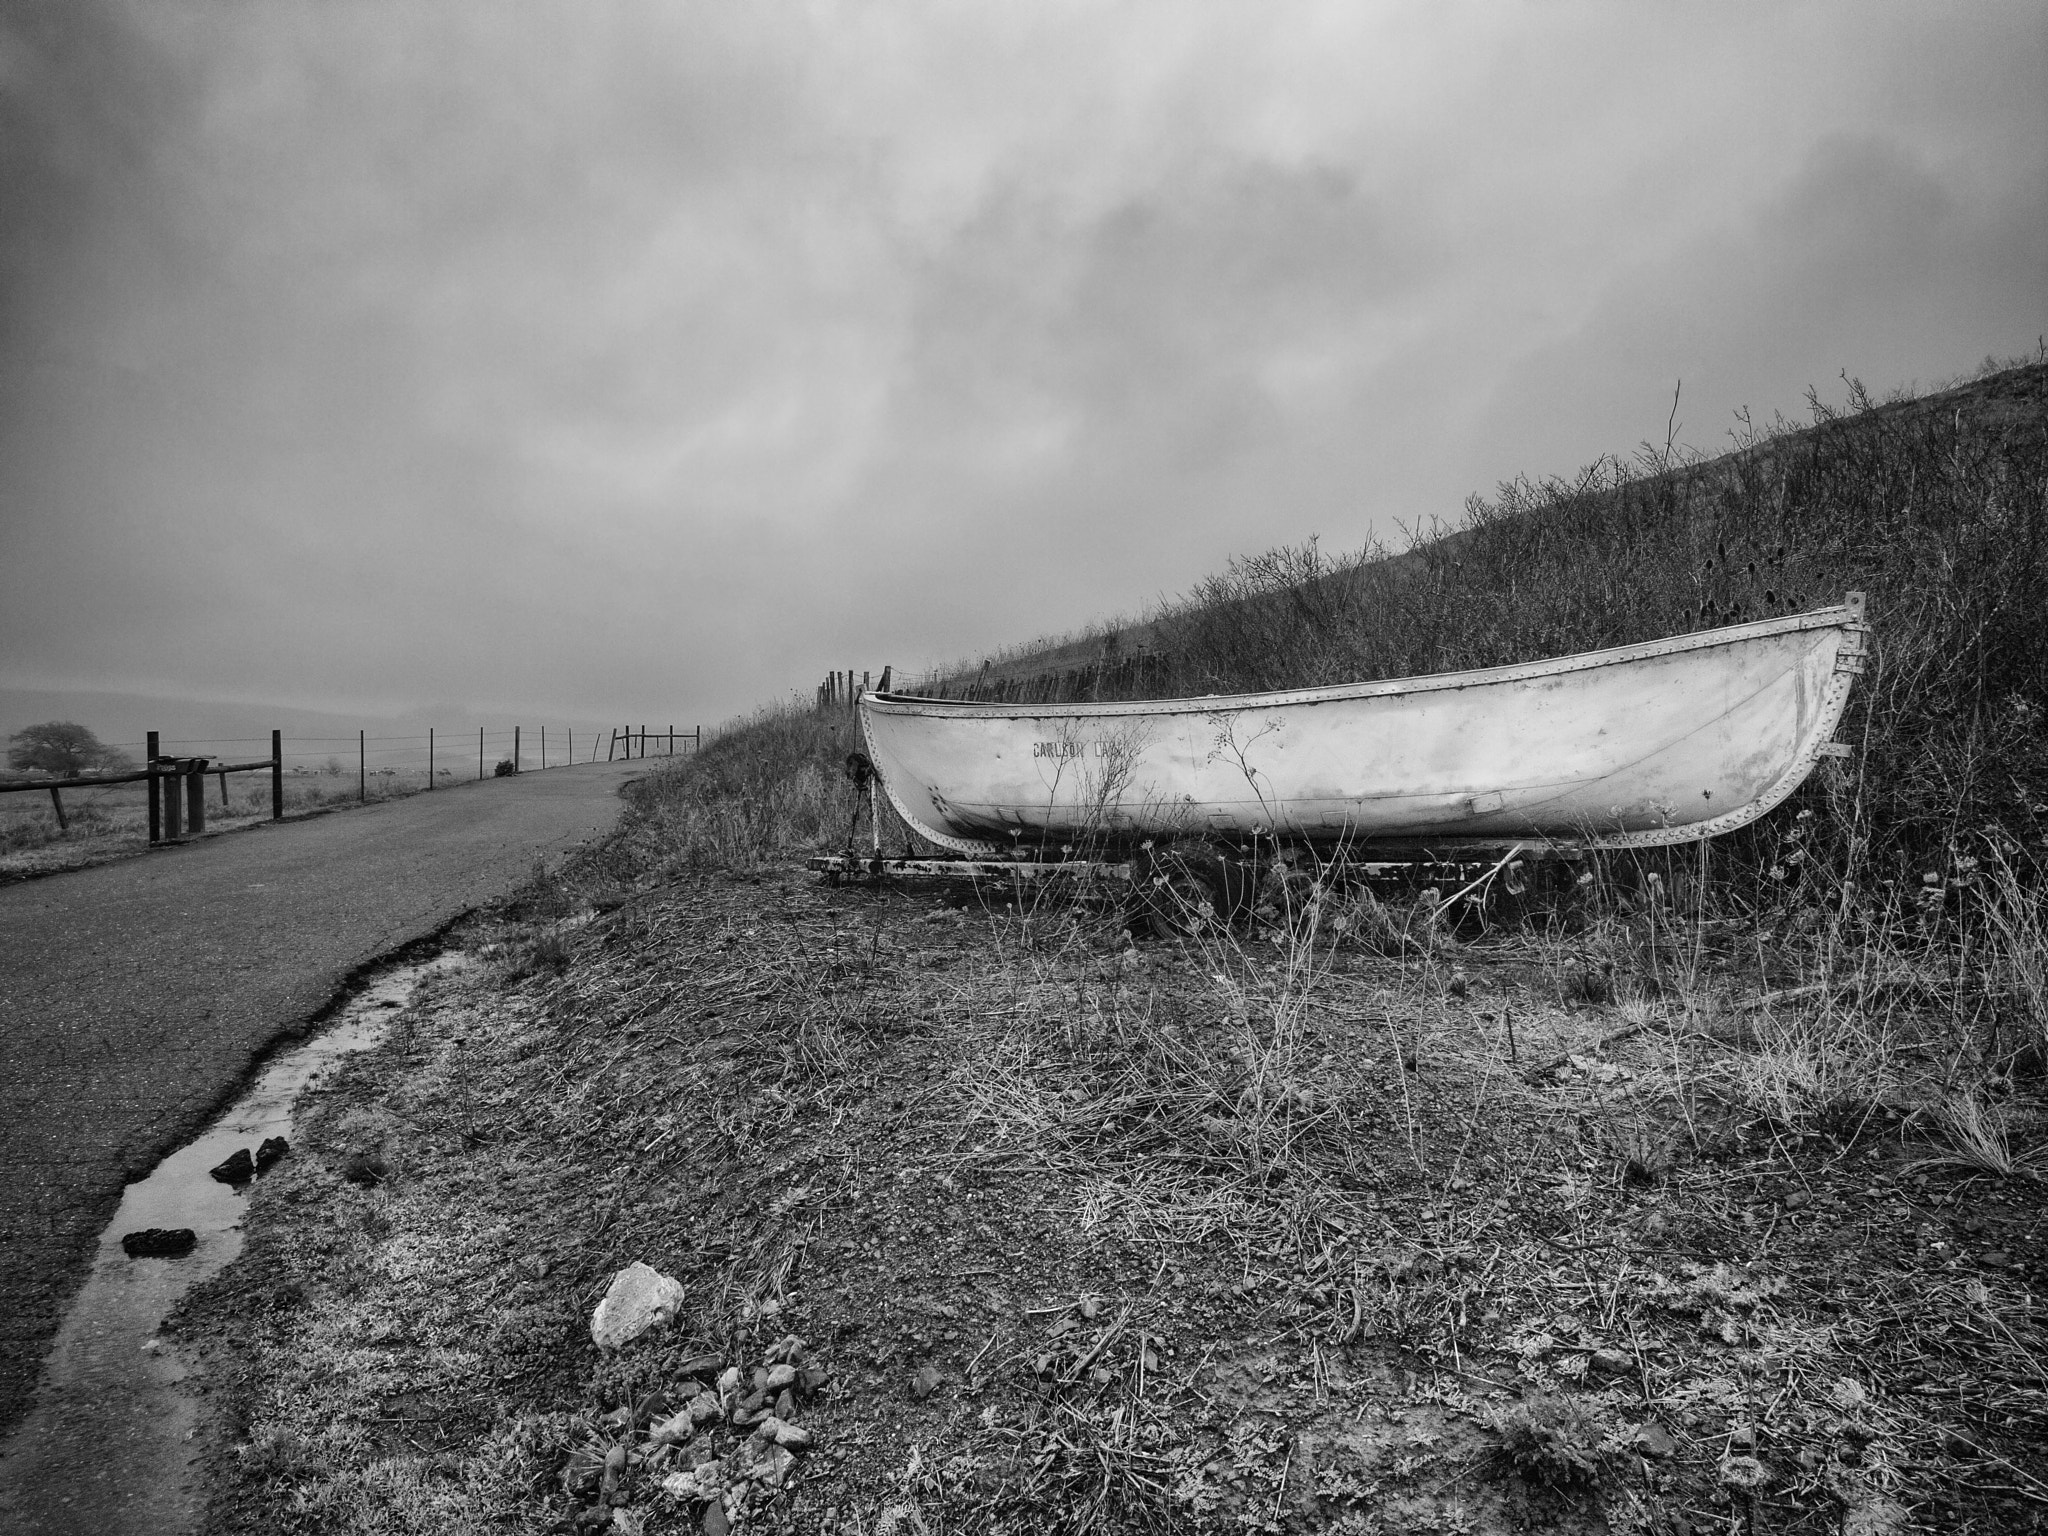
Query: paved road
x,y
135,996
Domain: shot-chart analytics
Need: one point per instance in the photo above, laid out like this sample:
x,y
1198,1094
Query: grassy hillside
x,y
1936,507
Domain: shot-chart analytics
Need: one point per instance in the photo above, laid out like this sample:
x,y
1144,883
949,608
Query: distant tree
x,y
58,747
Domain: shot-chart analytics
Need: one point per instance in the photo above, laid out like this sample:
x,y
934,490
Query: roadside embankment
x,y
1347,1221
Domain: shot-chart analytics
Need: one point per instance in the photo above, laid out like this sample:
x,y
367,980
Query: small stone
x,y
640,1297
705,1409
705,1367
781,1376
159,1243
1744,1472
1090,1307
775,1466
271,1153
1799,1199
785,1404
1613,1361
1997,1258
1743,1435
715,1523
1655,1440
682,1486
729,1382
760,1379
925,1382
238,1169
673,1430
792,1436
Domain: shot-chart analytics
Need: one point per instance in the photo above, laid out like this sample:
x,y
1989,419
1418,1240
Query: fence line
x,y
626,736
175,781
840,691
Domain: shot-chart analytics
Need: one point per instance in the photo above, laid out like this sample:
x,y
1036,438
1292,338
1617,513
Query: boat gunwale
x,y
1846,616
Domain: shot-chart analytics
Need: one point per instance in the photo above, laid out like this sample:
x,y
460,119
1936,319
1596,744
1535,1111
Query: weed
x,y
1552,1440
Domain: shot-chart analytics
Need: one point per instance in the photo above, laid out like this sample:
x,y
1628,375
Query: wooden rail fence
x,y
177,787
625,737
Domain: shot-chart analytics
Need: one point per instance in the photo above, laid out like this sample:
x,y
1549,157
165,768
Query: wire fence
x,y
527,747
167,775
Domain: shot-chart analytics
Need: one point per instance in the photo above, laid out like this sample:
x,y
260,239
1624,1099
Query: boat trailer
x,y
1463,875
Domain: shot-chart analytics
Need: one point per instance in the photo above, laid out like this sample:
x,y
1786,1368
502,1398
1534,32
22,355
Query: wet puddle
x,y
111,1444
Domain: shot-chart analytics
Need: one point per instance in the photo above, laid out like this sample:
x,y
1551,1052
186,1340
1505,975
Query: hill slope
x,y
1937,507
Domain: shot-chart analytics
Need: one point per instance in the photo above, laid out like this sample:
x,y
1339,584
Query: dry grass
x,y
1250,1225
1691,1190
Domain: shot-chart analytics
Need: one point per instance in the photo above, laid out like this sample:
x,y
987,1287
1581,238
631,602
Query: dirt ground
x,y
1061,1229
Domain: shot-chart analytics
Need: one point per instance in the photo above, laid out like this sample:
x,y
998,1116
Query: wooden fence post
x,y
277,775
195,796
174,813
224,806
57,804
430,757
515,749
479,752
572,746
543,746
362,768
156,828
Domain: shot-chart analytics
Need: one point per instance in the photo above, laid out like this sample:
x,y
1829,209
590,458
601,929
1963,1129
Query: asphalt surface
x,y
136,997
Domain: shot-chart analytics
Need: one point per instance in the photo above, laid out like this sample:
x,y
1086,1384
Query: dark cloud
x,y
652,359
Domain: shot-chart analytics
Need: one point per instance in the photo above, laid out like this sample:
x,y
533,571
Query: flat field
x,y
1594,1218
113,823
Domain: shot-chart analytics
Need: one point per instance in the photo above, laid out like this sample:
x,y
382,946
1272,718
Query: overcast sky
x,y
619,359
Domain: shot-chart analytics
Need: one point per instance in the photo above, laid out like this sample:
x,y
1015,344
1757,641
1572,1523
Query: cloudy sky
x,y
650,358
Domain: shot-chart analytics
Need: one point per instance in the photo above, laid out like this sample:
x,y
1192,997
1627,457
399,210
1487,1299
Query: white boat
x,y
1668,741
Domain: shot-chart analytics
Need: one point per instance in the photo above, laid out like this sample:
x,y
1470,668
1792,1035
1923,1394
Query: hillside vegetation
x,y
1936,507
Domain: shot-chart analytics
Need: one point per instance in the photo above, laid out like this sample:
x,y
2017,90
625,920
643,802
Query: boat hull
x,y
1664,742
